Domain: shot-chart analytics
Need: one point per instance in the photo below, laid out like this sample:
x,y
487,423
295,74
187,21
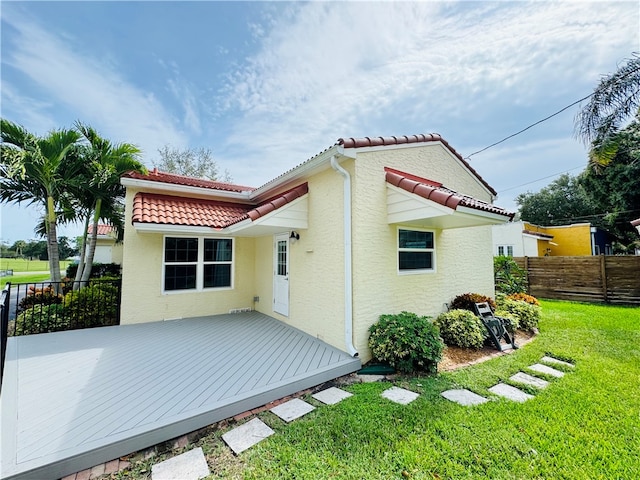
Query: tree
x,y
18,247
37,170
563,201
36,249
66,250
198,163
614,101
615,189
100,189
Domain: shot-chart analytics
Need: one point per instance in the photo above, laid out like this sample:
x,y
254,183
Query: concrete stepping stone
x,y
292,409
555,361
464,397
512,393
400,395
537,367
331,396
527,379
246,436
189,466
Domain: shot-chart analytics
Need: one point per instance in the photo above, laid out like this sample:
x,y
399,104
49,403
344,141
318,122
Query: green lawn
x,y
27,270
583,426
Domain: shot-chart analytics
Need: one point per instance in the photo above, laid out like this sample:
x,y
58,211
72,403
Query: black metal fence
x,y
43,307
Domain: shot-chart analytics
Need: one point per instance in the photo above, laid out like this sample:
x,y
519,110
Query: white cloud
x,y
97,94
330,69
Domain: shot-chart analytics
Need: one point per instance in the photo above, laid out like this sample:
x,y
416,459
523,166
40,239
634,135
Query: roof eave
x,y
185,189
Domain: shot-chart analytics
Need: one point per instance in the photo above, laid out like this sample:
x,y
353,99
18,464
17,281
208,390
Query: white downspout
x,y
348,277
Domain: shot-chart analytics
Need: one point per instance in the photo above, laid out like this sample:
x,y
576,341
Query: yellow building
x,y
368,227
578,239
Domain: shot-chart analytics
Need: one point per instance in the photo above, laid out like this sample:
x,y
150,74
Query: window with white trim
x,y
197,263
505,250
416,251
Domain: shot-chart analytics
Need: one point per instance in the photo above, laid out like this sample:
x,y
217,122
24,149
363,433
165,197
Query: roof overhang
x,y
409,209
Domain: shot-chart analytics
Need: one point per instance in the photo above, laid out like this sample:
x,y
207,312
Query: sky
x,y
267,85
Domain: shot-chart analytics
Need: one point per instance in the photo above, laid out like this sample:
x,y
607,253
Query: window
x,y
505,250
416,251
197,263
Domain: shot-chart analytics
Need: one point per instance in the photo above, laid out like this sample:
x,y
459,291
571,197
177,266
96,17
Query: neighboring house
x,y
108,249
369,226
524,239
636,223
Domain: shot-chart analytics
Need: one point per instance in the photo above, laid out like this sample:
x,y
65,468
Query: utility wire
x,y
543,178
532,125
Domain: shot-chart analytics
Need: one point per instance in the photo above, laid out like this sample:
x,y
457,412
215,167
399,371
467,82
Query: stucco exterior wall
x,y
571,240
464,259
511,234
142,296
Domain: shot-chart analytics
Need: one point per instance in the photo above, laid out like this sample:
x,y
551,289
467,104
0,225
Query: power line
x,y
543,178
531,126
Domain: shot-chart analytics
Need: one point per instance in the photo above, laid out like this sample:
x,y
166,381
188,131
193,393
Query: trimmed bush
x,y
511,321
98,270
467,301
509,277
461,328
40,318
528,315
92,306
407,342
523,297
39,296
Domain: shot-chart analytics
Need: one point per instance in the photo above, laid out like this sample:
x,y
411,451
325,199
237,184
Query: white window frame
x,y
199,263
508,248
420,271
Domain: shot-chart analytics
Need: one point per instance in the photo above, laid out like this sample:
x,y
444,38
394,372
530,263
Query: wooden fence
x,y
603,278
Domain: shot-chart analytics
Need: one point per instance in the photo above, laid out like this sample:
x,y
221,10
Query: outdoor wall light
x,y
294,236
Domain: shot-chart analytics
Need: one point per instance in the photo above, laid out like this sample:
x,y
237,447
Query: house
x,y
369,226
524,239
636,223
108,249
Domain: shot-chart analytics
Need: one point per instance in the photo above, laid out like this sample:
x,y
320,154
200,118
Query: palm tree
x,y
37,170
615,100
105,163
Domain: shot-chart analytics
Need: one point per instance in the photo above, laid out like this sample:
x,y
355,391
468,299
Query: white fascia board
x,y
481,213
306,169
274,219
185,189
177,229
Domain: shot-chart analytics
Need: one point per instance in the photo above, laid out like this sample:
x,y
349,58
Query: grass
x,y
27,270
582,426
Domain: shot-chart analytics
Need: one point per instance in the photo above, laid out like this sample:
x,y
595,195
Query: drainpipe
x,y
348,277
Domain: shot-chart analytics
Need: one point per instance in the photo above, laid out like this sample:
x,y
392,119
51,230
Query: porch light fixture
x,y
294,236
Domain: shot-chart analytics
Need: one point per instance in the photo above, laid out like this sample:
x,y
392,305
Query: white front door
x,y
281,274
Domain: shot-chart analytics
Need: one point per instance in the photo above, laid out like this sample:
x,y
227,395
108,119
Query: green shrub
x,y
39,296
407,342
40,318
509,277
523,297
528,315
98,270
467,301
461,328
511,321
92,306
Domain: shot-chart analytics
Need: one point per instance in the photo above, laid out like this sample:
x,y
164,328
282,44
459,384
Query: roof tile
x,y
429,190
172,178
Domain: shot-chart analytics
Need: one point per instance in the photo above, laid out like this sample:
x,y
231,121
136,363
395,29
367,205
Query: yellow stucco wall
x,y
568,240
464,259
142,297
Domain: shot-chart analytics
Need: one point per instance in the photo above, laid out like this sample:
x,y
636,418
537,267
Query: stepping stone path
x,y
292,409
464,397
530,380
247,435
193,465
400,395
537,367
189,466
509,392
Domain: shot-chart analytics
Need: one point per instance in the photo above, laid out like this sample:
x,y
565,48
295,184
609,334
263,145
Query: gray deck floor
x,y
72,400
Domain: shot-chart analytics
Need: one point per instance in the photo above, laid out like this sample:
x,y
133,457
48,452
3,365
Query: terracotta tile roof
x,y
278,201
164,177
435,192
421,138
102,229
174,210
195,212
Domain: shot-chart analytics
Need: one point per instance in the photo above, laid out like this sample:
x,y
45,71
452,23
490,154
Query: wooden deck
x,y
72,400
